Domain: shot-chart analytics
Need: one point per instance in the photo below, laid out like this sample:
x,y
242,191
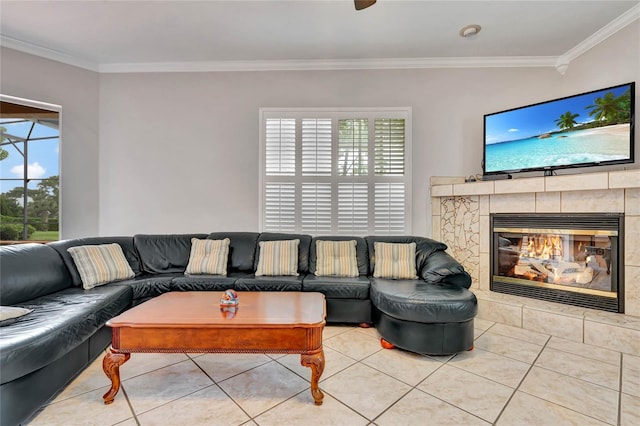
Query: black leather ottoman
x,y
423,317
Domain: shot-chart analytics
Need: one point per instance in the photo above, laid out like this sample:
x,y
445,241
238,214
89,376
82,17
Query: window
x,y
29,170
326,171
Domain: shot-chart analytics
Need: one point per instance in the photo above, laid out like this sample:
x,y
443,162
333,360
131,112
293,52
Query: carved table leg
x,y
111,367
316,363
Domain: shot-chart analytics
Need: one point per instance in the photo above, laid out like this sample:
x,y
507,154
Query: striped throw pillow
x,y
208,257
100,264
395,261
278,258
336,258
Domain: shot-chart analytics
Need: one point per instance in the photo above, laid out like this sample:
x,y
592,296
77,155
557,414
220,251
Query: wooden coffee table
x,y
264,322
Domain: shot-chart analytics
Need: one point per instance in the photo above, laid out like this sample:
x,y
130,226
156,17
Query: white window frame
x,y
337,114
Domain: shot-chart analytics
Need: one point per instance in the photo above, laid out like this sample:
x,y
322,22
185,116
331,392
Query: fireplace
x,y
574,259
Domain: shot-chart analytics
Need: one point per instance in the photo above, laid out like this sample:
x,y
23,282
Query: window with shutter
x,y
280,207
353,208
281,147
316,208
389,208
389,146
335,171
353,147
316,147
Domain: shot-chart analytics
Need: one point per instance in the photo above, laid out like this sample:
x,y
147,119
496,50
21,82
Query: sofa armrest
x,y
440,267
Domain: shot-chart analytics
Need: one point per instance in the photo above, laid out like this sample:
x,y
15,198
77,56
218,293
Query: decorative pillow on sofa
x,y
100,264
208,257
336,258
395,260
10,314
278,258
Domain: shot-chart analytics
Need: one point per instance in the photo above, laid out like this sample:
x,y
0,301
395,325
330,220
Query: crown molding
x,y
598,37
561,63
45,52
335,64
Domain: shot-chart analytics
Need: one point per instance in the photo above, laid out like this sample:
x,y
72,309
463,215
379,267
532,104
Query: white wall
x,y
179,152
615,61
612,62
76,90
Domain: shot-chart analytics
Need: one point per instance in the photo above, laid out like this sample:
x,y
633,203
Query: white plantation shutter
x,y
353,147
280,207
316,208
280,147
389,208
353,208
316,147
389,146
330,172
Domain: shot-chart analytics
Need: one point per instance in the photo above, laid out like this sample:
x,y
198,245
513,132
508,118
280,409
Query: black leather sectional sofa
x,y
42,351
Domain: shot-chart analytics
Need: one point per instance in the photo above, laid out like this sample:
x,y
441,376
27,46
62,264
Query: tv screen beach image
x,y
590,128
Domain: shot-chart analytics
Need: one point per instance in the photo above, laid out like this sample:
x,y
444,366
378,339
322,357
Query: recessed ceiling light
x,y
470,30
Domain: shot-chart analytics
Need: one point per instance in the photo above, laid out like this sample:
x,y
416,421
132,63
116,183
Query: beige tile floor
x,y
512,377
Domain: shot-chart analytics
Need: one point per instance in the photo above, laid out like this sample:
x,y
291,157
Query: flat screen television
x,y
588,129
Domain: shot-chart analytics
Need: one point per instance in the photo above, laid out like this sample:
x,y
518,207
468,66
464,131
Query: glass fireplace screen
x,y
572,260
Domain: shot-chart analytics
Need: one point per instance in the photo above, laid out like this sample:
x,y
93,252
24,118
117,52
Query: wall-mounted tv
x,y
588,129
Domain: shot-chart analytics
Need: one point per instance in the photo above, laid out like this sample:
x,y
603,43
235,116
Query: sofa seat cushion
x,y
220,283
278,283
146,286
58,324
338,287
419,301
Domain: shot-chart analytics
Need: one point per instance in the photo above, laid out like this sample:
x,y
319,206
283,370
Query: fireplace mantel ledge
x,y
447,186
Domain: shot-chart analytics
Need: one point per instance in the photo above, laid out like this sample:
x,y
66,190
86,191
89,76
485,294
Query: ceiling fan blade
x,y
363,4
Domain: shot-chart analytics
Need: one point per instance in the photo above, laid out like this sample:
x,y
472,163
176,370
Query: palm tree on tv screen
x,y
567,120
607,108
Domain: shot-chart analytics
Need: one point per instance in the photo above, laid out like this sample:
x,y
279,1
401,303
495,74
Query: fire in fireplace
x,y
567,258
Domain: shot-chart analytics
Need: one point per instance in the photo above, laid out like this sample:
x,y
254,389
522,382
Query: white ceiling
x,y
112,36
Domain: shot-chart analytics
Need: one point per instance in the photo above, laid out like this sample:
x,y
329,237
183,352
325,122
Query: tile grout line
x,y
222,389
553,402
415,387
521,381
489,330
133,412
620,390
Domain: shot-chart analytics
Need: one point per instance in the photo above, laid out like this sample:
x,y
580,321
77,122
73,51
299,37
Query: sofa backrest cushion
x,y
164,253
242,249
361,252
126,243
424,248
28,271
303,248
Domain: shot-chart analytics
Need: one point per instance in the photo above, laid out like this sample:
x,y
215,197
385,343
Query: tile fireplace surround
x,y
460,218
